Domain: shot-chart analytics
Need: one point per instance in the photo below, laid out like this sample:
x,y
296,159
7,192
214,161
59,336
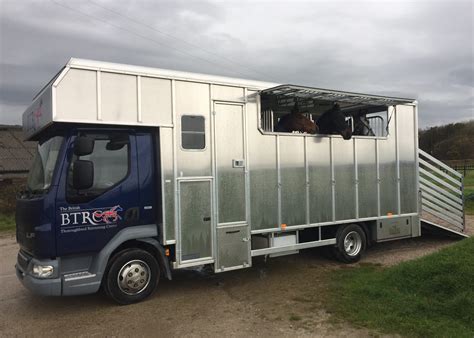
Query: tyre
x,y
131,276
351,243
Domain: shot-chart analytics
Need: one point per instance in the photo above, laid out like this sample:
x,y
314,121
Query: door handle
x,y
232,231
238,163
132,214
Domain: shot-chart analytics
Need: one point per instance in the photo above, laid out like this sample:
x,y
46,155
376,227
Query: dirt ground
x,y
279,297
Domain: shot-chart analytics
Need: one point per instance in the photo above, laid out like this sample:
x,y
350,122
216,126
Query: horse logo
x,y
108,216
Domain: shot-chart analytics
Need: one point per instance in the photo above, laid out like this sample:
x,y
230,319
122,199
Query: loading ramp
x,y
441,196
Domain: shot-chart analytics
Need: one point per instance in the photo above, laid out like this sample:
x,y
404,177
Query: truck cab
x,y
89,188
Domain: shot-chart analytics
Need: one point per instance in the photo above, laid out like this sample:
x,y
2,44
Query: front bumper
x,y
41,286
77,283
44,287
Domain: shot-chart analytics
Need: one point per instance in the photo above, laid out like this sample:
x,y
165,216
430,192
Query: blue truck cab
x,y
91,210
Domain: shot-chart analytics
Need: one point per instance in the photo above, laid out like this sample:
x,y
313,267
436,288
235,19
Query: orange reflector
x,y
167,252
283,226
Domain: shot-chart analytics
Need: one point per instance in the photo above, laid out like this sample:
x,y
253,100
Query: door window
x,y
110,158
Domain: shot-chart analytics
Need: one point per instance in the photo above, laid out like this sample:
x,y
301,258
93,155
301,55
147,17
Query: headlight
x,y
42,271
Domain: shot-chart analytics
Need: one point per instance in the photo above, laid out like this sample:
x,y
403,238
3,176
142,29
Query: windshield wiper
x,y
39,191
28,192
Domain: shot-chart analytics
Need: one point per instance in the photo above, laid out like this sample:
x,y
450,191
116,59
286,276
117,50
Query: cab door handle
x,y
132,214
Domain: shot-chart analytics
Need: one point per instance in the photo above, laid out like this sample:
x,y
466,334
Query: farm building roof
x,y
15,154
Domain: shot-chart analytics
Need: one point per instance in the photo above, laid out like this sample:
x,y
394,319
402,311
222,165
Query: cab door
x,y
87,219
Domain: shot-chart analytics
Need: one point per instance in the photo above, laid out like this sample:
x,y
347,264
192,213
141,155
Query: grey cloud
x,y
16,95
411,49
443,113
463,76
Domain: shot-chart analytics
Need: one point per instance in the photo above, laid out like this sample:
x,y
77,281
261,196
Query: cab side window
x,y
111,160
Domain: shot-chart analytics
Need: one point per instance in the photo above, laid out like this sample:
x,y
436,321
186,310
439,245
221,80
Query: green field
x,y
427,297
7,222
469,192
7,206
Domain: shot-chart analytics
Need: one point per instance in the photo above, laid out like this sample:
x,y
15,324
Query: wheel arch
x,y
152,246
368,235
141,235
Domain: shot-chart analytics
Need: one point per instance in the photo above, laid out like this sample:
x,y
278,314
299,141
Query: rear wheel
x,y
351,243
132,275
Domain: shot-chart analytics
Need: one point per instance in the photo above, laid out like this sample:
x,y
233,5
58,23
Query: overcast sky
x,y
419,49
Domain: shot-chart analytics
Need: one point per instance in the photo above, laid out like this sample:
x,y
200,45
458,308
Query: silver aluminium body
x,y
287,182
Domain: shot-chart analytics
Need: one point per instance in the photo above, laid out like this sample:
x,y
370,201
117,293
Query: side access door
x,y
233,233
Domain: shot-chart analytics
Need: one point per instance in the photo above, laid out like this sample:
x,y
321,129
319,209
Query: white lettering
x,y
86,218
65,219
74,214
107,217
95,218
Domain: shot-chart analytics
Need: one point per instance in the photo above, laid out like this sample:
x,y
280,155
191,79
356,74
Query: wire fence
x,y
462,166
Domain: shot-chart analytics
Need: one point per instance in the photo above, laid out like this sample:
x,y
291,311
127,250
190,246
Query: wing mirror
x,y
82,174
83,145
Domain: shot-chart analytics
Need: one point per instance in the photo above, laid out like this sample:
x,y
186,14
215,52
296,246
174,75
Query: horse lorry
x,y
142,171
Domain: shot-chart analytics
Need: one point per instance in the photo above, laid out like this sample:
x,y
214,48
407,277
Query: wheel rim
x,y
134,277
352,243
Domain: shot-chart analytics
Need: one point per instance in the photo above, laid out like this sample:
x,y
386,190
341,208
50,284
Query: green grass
x,y
469,199
7,222
469,178
469,192
430,296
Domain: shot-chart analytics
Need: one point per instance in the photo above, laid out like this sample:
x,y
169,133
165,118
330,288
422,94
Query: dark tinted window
x,y
192,132
111,164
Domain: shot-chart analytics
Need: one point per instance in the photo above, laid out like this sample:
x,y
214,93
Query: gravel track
x,y
279,297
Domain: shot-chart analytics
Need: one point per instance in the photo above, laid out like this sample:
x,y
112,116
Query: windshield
x,y
41,172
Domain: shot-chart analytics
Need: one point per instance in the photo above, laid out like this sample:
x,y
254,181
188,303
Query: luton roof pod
x,y
96,92
83,92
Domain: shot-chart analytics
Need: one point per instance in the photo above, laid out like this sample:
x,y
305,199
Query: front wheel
x,y
350,243
132,275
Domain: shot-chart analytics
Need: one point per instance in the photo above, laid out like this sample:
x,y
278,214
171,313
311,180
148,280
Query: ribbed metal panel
x,y
441,192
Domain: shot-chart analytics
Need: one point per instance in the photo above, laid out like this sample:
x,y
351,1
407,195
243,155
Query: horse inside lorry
x,y
296,121
333,121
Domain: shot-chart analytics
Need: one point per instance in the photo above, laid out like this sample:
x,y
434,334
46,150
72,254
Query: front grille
x,y
23,259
